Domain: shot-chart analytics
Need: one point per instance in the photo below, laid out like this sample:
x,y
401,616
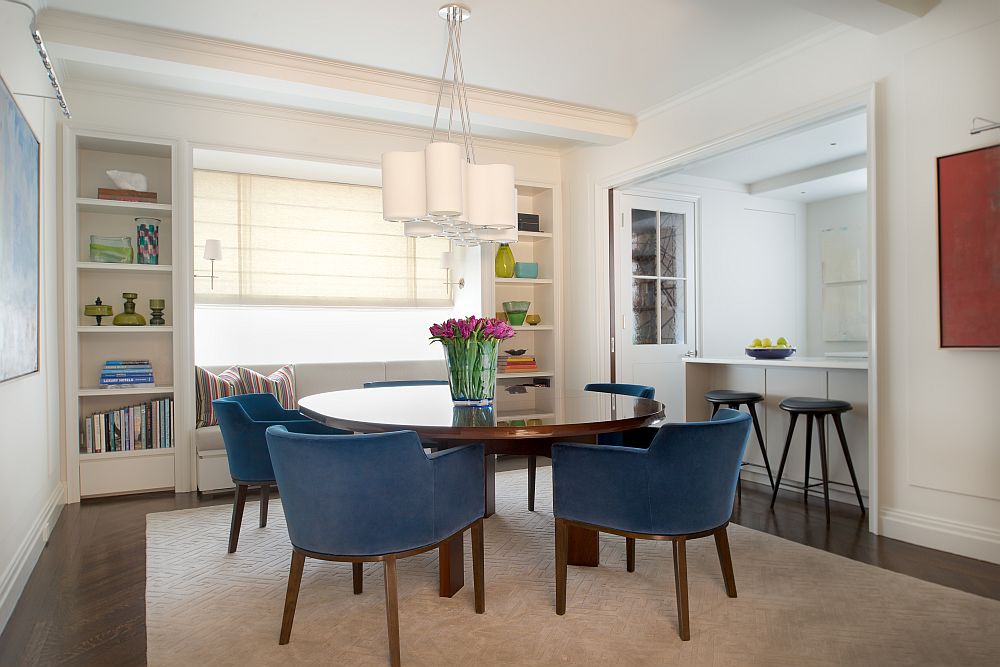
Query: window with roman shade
x,y
288,241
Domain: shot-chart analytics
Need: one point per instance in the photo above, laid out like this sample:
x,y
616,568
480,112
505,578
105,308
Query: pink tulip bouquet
x,y
470,346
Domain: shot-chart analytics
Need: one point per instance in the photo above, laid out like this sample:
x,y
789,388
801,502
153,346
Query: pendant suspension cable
x,y
451,49
464,104
444,74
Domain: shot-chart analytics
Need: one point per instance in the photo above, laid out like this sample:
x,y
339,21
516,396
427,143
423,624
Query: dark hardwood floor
x,y
85,601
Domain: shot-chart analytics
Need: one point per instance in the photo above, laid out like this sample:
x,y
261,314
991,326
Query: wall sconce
x,y
449,263
213,252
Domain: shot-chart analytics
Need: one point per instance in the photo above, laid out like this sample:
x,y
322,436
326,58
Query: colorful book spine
x,y
130,428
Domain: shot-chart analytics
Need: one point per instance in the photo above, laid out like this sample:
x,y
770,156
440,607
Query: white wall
x,y
29,406
850,213
752,260
939,458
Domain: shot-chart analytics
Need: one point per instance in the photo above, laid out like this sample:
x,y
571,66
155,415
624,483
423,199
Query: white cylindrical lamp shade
x,y
503,197
404,186
213,249
443,165
477,199
447,260
420,228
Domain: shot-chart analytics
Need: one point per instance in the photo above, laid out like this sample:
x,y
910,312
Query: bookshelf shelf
x,y
537,327
162,451
136,208
128,391
142,268
526,374
109,329
523,281
531,237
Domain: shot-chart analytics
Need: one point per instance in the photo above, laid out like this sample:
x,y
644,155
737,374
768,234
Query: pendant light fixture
x,y
441,191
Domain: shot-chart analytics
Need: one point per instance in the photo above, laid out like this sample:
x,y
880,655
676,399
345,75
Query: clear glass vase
x,y
472,371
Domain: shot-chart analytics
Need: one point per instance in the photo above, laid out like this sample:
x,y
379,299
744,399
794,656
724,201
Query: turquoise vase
x,y
504,263
472,371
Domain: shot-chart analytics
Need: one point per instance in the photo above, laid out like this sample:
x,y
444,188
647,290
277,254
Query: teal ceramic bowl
x,y
525,269
516,311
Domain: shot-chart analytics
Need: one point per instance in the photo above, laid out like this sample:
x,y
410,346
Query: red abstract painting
x,y
969,247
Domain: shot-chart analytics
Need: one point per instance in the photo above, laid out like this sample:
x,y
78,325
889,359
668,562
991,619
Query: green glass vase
x,y
504,262
472,371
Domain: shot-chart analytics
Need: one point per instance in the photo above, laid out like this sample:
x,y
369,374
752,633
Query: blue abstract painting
x,y
19,205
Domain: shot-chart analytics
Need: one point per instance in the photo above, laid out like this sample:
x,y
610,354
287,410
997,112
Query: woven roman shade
x,y
298,242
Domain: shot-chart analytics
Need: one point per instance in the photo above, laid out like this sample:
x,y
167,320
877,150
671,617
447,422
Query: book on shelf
x,y
131,428
520,363
131,373
117,194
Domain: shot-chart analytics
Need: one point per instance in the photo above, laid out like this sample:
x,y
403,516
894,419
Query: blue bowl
x,y
526,269
770,352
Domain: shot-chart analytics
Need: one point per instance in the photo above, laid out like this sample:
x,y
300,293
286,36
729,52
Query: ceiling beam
x,y
874,16
809,174
332,86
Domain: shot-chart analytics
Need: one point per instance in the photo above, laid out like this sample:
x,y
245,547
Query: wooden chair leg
x,y
391,610
291,595
234,528
760,441
681,582
847,456
478,564
359,577
532,465
562,552
725,560
265,493
630,554
809,445
821,427
784,457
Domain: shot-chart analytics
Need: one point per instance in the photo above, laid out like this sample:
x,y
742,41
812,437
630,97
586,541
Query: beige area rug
x,y
796,605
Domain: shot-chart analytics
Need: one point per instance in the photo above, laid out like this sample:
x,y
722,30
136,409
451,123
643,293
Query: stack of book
x,y
145,426
124,373
116,194
519,364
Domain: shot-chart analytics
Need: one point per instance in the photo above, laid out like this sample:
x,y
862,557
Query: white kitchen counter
x,y
795,361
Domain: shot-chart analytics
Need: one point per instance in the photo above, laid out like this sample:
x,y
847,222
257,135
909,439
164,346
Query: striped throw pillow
x,y
209,386
281,383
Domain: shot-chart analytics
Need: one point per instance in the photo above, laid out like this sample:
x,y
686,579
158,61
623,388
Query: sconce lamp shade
x,y
404,187
447,260
213,249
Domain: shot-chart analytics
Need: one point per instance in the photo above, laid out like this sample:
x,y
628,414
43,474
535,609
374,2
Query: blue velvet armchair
x,y
681,487
642,437
375,497
243,420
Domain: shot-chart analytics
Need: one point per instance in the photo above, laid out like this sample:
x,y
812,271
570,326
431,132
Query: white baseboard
x,y
942,534
14,578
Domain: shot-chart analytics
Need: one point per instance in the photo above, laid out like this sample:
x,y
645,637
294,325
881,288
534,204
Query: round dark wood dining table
x,y
428,410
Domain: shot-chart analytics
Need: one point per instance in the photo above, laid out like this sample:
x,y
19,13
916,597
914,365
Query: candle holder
x,y
97,310
156,307
129,318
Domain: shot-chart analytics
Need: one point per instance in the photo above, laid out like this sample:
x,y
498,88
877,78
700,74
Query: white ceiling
x,y
625,56
820,161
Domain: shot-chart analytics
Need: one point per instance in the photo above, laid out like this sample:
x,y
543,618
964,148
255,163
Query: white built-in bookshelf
x,y
543,340
86,158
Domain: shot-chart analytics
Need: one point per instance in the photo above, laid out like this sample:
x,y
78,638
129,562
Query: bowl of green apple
x,y
761,348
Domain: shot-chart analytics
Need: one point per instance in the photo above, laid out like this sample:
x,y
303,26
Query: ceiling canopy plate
x,y
462,13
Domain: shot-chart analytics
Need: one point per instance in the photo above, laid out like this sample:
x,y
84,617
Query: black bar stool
x,y
734,399
817,409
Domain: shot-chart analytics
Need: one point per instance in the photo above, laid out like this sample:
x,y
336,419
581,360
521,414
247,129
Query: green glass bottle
x,y
504,262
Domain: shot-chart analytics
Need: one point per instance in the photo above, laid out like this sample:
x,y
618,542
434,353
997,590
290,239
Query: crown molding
x,y
103,40
806,42
106,90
